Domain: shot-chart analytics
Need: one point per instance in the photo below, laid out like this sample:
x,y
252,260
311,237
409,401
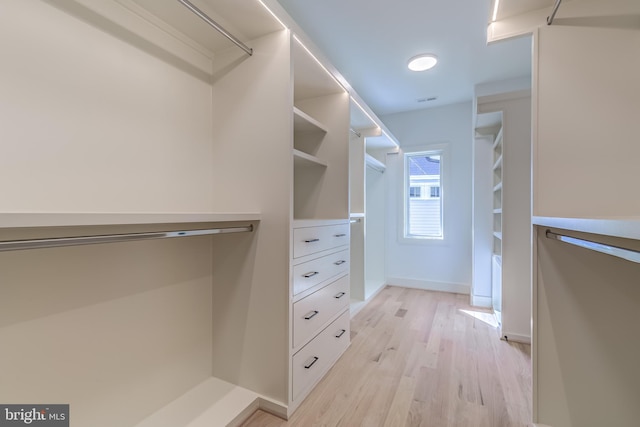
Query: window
x,y
423,206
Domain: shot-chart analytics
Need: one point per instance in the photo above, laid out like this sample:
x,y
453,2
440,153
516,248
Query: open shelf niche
x,y
321,150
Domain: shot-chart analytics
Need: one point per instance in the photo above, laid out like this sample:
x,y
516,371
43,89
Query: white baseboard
x,y
524,339
478,301
457,288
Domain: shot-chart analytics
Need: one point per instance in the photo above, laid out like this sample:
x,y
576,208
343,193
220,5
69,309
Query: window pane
x,y
424,205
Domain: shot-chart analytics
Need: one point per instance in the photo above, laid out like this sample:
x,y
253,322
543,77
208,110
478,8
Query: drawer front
x,y
313,311
315,359
309,274
309,240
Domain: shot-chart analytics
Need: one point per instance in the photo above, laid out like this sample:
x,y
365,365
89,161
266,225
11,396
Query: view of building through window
x,y
423,213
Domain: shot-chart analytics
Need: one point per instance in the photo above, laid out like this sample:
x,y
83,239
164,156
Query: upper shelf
x,y
36,220
627,227
244,19
310,78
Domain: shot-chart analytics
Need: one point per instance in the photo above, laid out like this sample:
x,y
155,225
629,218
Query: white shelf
x,y
498,164
302,122
70,219
498,139
302,223
497,234
497,211
374,163
626,227
300,158
497,187
212,403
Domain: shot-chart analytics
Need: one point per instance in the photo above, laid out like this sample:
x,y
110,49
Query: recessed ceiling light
x,y
422,62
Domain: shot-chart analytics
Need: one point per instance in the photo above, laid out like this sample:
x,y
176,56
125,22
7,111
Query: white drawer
x,y
310,273
309,240
315,310
315,359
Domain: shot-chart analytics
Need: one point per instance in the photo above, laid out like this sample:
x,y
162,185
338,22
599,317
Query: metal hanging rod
x,y
355,132
628,254
553,12
15,245
217,26
355,220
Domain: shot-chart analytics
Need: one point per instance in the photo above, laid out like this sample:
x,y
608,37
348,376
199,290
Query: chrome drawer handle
x,y
341,333
339,235
310,274
312,240
315,359
311,315
340,262
339,295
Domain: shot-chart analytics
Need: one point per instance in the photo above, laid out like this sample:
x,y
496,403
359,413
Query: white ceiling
x,y
370,42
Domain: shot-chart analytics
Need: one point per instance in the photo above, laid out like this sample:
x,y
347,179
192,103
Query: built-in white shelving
x,y
497,194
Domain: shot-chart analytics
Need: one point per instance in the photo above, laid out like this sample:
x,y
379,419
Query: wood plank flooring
x,y
420,358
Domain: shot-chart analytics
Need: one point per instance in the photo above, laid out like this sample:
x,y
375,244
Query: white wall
x,y
91,123
441,265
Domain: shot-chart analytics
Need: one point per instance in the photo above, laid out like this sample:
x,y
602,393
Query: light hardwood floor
x,y
420,358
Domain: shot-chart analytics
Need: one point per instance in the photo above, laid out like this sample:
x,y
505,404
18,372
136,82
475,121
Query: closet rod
x,y
355,132
14,245
353,221
628,254
193,8
553,12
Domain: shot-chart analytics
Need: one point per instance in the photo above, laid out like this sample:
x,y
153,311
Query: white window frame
x,y
403,236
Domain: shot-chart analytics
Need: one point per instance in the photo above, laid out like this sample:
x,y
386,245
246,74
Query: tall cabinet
x,y
586,303
149,121
319,291
509,165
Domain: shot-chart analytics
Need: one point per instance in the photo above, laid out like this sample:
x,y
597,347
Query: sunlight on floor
x,y
485,317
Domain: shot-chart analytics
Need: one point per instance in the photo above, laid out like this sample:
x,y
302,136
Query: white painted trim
x,y
524,339
274,408
356,306
480,301
457,288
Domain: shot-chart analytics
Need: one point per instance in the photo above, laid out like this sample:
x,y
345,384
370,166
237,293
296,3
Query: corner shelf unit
x,y
497,194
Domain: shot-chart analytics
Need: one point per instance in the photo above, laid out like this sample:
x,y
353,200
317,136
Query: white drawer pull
x,y
311,240
341,333
310,274
340,262
315,359
339,235
339,295
311,315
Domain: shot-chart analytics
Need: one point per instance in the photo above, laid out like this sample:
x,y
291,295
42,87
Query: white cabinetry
x,y
319,301
586,304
